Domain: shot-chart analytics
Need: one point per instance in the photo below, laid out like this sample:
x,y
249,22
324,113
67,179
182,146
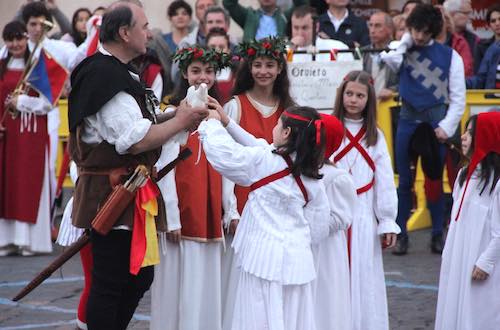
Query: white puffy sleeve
x,y
31,104
229,202
240,164
342,200
119,122
243,137
385,195
491,255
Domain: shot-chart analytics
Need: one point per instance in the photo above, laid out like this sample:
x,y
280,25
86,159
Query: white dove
x,y
197,97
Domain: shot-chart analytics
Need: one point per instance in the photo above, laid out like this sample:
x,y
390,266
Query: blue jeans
x,y
408,121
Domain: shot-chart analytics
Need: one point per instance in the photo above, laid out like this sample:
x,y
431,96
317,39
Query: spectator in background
x,y
341,24
54,11
488,75
302,37
179,14
198,34
217,38
432,89
381,30
460,12
217,17
493,19
266,21
78,27
456,41
399,22
409,6
99,11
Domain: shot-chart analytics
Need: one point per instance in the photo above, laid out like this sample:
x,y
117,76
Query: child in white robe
x,y
332,294
364,155
287,209
468,295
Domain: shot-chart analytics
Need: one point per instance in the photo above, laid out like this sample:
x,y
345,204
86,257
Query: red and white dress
x,y
375,214
186,291
24,171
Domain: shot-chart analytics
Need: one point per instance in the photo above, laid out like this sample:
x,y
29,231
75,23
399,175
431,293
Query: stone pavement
x,y
411,287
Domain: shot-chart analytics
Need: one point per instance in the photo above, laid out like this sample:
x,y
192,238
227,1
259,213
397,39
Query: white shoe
x,y
26,252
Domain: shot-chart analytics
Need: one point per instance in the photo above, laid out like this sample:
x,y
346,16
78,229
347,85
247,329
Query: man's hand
x,y
232,226
298,41
385,94
174,236
478,274
441,134
11,101
189,117
389,240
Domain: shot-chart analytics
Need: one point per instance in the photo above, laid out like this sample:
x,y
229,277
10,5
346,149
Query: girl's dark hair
x,y
11,31
78,37
218,32
180,91
302,140
178,4
491,10
244,82
417,2
369,112
426,18
490,165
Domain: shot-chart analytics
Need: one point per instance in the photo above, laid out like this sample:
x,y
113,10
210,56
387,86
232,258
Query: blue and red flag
x,y
47,77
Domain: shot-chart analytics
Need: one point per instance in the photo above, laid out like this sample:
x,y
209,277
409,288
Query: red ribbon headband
x,y
317,124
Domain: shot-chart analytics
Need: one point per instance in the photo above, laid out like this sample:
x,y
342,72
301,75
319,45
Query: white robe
x,y
473,240
273,241
332,295
375,215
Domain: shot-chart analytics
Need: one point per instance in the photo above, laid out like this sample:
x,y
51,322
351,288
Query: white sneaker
x,y
25,252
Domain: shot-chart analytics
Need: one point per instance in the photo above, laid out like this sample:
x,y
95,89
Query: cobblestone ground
x,y
411,288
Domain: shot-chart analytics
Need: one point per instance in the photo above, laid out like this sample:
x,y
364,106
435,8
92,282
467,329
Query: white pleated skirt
x,y
266,305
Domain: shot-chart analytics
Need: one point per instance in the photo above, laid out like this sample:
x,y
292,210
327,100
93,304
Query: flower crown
x,y
185,56
273,47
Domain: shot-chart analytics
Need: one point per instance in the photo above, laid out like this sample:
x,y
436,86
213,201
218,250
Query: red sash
x,y
354,143
279,175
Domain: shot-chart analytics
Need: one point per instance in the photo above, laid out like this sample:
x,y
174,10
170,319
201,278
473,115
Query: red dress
x,y
199,190
252,121
22,159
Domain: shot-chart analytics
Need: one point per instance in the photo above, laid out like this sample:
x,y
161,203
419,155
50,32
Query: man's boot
x,y
437,244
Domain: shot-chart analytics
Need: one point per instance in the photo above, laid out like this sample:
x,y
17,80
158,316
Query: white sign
x,y
315,84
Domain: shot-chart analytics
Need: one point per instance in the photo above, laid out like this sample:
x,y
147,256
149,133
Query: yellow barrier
x,y
476,101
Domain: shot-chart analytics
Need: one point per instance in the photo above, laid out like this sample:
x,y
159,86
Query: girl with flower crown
x,y
364,154
287,210
470,275
260,96
186,292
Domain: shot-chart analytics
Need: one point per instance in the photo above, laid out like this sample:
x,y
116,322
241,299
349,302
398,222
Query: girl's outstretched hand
x,y
389,240
174,236
213,104
478,274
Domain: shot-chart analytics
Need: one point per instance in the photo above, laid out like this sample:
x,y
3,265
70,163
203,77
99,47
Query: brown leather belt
x,y
114,174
